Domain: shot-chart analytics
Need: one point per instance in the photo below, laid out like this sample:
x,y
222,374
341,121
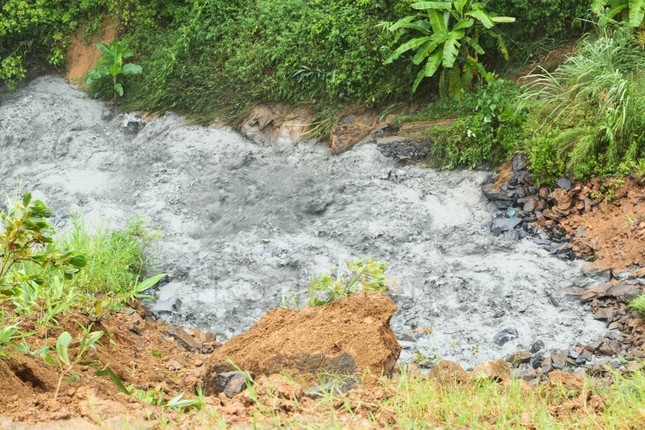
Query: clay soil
x,y
138,350
83,55
611,232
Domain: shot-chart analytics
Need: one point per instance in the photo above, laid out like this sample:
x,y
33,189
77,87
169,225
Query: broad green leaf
x,y
403,21
62,347
475,45
131,69
503,19
612,12
118,88
407,46
78,261
482,17
26,199
500,45
49,359
433,64
436,21
451,48
636,12
92,338
105,50
459,5
433,5
464,23
149,283
428,48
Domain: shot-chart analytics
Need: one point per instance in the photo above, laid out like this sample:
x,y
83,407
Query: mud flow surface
x,y
242,224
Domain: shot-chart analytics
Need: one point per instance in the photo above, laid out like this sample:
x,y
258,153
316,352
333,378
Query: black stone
x,y
537,360
505,335
501,225
537,346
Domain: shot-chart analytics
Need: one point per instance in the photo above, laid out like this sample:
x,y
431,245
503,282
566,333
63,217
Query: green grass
x,y
589,115
638,305
414,401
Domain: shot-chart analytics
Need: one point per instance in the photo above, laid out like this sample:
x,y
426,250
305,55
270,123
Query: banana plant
x,y
449,40
631,12
112,65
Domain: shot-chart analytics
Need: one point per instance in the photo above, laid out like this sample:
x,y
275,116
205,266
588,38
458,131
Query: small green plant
x,y
359,276
60,357
26,237
8,335
450,32
638,305
155,396
112,65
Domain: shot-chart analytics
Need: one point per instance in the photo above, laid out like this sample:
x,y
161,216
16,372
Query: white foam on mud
x,y
243,223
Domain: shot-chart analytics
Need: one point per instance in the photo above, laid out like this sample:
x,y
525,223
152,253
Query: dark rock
x,y
564,183
500,199
403,148
505,336
519,163
230,383
537,346
501,225
537,359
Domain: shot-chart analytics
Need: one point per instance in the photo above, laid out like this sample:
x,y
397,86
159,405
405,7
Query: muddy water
x,y
243,223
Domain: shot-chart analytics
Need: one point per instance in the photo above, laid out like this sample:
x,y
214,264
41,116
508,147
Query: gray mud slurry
x,y
243,223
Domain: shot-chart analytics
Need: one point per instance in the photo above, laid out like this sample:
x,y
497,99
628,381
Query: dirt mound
x,y
348,336
81,56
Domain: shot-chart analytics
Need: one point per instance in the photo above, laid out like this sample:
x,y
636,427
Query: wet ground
x,y
243,224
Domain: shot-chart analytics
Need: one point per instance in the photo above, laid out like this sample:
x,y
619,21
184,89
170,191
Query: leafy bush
x,y
489,135
26,238
596,102
450,32
224,56
541,24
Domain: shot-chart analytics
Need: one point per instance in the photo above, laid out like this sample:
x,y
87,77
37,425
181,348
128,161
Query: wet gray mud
x,y
242,224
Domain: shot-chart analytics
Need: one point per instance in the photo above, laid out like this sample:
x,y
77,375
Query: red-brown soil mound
x,y
348,336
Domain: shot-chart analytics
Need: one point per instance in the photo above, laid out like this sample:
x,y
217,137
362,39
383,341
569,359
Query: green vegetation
x,y
638,305
359,277
487,134
216,58
112,65
61,356
450,39
96,274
